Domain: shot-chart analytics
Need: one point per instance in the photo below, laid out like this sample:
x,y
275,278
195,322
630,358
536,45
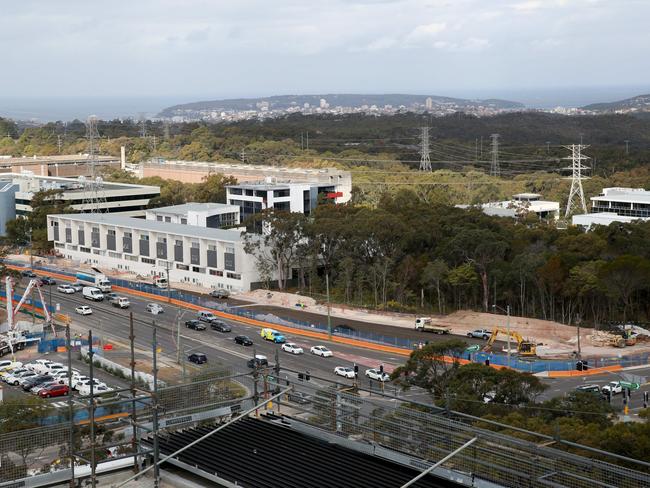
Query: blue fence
x,y
533,366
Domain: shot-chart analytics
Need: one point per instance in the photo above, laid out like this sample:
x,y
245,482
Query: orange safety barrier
x,y
105,418
589,372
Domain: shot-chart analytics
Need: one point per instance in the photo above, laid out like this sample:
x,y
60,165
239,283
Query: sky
x,y
199,49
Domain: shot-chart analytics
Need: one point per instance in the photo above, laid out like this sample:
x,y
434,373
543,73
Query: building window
x,y
196,269
250,193
215,272
163,264
70,246
59,245
84,249
159,218
234,276
168,219
99,252
281,193
148,261
130,258
111,232
128,235
115,255
183,221
184,267
235,191
144,237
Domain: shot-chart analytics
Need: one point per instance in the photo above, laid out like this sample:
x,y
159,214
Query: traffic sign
x,y
473,348
631,386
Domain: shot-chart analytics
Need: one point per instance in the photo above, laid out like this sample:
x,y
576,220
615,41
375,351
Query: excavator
x,y
524,348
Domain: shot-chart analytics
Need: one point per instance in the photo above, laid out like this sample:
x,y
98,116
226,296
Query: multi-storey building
x,y
211,215
196,254
616,205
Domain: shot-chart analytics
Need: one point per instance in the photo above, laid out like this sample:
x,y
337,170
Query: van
x,y
206,316
92,293
272,335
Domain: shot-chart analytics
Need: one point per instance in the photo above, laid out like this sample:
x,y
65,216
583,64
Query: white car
x,y
51,369
321,351
14,377
83,310
82,381
292,348
65,289
345,372
77,286
375,374
154,308
37,364
84,390
9,364
613,387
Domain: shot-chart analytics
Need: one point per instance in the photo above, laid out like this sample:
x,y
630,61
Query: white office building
x,y
616,205
211,215
521,205
195,254
253,198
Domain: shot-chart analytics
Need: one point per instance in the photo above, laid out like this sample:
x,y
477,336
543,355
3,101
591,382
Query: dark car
x,y
298,397
28,273
110,295
220,326
194,324
258,361
243,340
343,329
46,280
219,293
197,358
37,380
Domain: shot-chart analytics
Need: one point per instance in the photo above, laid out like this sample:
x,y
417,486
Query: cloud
x,y
426,32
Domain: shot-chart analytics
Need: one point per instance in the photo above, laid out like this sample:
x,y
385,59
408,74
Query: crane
x,y
525,348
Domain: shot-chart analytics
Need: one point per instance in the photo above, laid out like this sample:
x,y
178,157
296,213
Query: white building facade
x,y
207,257
616,205
211,215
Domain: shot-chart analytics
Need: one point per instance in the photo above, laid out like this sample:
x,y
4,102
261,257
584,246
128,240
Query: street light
x,y
507,311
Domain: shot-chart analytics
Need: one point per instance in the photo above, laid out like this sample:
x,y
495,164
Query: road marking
x,y
219,348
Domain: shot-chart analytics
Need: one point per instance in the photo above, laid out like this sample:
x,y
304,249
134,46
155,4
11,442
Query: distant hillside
x,y
283,102
640,103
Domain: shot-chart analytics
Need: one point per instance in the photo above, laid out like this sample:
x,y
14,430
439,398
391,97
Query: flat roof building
x,y
616,204
521,205
83,193
195,254
212,215
63,165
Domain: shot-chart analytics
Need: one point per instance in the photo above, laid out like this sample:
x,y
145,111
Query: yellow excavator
x,y
524,348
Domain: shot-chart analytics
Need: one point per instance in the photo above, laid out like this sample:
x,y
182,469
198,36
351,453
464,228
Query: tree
x,y
432,275
213,188
623,277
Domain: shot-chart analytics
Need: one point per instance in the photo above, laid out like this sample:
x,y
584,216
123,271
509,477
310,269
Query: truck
x,y
120,302
426,324
95,278
160,282
92,293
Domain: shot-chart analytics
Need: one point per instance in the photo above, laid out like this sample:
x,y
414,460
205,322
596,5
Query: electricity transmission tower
x,y
495,170
576,178
93,187
425,158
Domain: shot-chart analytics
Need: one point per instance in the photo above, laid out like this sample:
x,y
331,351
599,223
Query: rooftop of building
x,y
638,195
59,158
270,185
71,184
527,196
184,208
154,226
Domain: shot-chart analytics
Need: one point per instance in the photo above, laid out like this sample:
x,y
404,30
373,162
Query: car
x,y
378,375
54,391
589,388
220,326
243,340
197,358
321,351
206,316
65,289
55,368
259,361
110,295
84,390
292,348
61,377
35,381
272,335
194,324
47,281
9,364
343,329
299,397
219,293
25,377
612,388
77,286
79,381
28,273
13,377
480,334
41,367
83,310
42,386
345,372
155,308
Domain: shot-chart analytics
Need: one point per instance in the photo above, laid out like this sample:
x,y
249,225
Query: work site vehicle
x,y
92,293
120,302
525,348
95,278
425,324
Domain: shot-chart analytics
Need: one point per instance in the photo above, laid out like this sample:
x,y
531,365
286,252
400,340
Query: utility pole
x,y
134,419
627,147
242,155
59,143
425,157
178,337
495,170
91,375
302,142
548,147
329,318
169,285
307,141
508,329
576,168
156,449
71,447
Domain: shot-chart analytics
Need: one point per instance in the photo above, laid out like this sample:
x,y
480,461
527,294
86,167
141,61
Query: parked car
x,y
206,316
299,397
292,348
55,368
79,381
28,273
613,388
13,377
321,351
345,372
47,281
61,377
9,364
83,310
25,378
343,329
197,358
259,361
194,324
480,334
77,286
65,289
54,391
219,293
220,326
84,390
43,386
375,374
154,308
42,366
35,381
243,340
